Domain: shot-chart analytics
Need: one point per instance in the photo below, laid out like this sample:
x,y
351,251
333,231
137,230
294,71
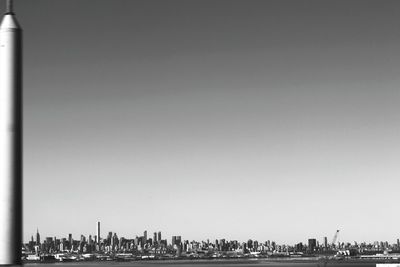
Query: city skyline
x,y
112,246
157,235
264,119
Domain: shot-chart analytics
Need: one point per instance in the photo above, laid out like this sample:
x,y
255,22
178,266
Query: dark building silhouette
x,y
70,241
178,240
299,247
145,237
37,237
159,237
109,237
312,244
98,232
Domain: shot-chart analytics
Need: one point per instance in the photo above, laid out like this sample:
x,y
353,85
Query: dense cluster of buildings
x,y
146,246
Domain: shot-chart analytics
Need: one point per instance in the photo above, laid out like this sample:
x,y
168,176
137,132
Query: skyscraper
x,y
109,237
114,241
70,241
37,237
155,238
98,232
178,240
312,244
145,237
159,237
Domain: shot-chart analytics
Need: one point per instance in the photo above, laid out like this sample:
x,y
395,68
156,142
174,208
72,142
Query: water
x,y
209,263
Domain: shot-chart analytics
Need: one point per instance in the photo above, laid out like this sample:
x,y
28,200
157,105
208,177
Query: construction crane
x,y
335,238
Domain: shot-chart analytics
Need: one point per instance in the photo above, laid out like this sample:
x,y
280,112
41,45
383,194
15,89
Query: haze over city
x,y
271,120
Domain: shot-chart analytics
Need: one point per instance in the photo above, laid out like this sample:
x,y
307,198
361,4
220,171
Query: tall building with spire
x,y
37,237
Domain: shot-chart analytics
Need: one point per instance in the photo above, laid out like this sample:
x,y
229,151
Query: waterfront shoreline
x,y
314,261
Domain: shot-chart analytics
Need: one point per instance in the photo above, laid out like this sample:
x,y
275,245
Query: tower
x,y
37,237
10,138
70,241
312,244
98,232
145,237
159,236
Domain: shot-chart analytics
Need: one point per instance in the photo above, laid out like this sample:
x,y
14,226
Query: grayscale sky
x,y
244,119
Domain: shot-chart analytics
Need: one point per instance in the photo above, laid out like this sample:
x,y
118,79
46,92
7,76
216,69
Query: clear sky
x,y
244,119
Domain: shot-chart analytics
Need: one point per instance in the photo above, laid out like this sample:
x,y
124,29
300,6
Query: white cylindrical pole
x,y
10,139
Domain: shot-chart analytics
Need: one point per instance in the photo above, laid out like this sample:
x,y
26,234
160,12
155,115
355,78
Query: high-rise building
x,y
145,237
325,242
70,241
155,238
62,245
255,244
114,241
159,237
121,242
49,240
250,244
299,247
178,240
312,244
98,232
109,237
49,243
37,237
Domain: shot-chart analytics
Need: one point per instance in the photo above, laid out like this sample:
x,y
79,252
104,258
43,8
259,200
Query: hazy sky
x,y
244,119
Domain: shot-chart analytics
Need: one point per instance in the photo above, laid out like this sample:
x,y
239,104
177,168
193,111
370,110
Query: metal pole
x,y
10,139
9,6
